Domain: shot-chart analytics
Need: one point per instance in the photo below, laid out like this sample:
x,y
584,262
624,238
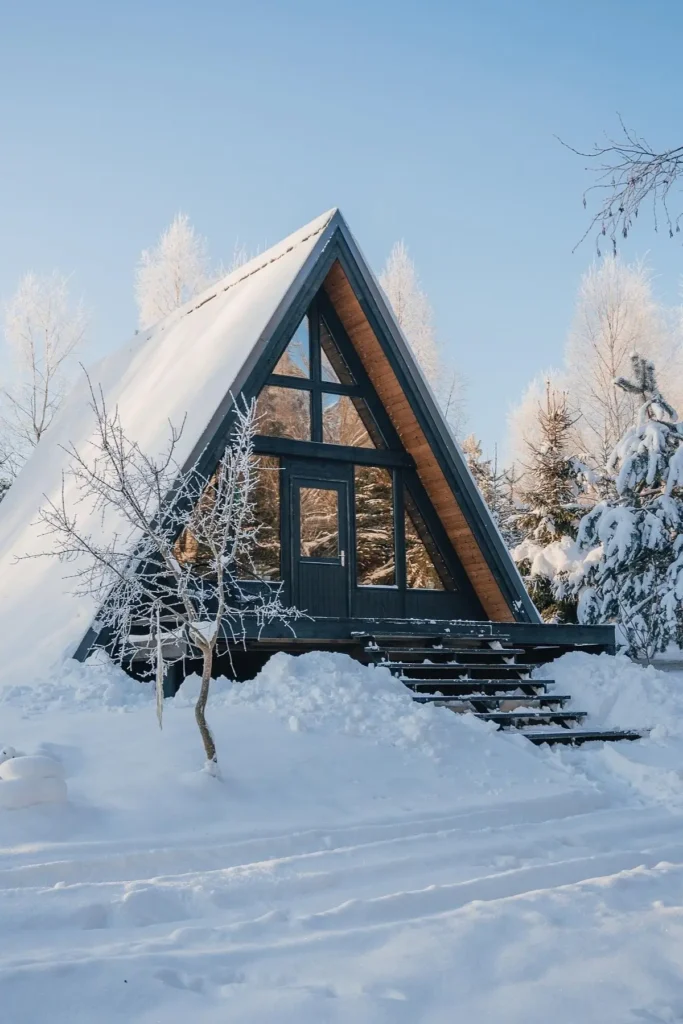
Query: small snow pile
x,y
560,556
320,691
618,693
76,686
25,781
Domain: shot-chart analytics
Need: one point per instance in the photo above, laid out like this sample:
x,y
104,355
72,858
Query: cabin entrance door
x,y
320,513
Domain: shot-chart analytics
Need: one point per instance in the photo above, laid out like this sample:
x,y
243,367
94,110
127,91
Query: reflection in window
x,y
264,560
295,360
342,423
319,522
332,365
422,556
375,560
284,412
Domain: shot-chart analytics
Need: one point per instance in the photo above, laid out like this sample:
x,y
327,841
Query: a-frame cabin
x,y
373,525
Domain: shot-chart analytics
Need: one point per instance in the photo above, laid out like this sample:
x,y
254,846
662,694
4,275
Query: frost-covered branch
x,y
170,564
628,172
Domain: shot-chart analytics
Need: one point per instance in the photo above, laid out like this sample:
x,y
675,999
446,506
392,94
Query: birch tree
x,y
413,311
44,328
172,272
616,315
169,575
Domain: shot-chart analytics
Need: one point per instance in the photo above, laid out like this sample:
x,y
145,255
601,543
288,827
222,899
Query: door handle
x,y
342,558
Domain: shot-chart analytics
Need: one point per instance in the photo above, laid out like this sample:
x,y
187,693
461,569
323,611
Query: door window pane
x,y
342,423
319,522
295,360
332,365
422,555
375,559
284,412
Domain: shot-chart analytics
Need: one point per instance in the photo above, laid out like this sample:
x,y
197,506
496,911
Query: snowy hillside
x,y
364,859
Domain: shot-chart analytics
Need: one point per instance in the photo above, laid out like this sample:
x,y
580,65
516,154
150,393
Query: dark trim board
x,y
541,635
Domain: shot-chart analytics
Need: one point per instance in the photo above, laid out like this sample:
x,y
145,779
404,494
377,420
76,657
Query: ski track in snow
x,y
224,929
377,864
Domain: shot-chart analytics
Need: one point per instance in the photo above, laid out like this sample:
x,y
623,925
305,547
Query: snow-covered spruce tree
x,y
44,328
413,311
171,273
496,487
633,543
551,506
179,546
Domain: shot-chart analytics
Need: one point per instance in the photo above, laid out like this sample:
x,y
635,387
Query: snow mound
x,y
37,766
77,686
25,781
618,693
325,692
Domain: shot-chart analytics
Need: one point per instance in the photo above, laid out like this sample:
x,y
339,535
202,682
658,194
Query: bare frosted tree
x,y
413,311
629,172
43,328
180,545
171,273
616,314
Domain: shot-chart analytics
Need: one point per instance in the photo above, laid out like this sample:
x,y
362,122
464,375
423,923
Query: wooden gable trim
x,y
400,411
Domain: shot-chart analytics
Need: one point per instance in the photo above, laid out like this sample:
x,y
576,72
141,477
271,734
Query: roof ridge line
x,y
261,266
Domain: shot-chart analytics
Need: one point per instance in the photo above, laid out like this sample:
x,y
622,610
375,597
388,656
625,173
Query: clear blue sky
x,y
429,121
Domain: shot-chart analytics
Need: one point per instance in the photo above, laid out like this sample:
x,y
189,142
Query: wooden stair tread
x,y
504,717
501,652
470,685
482,698
575,737
422,666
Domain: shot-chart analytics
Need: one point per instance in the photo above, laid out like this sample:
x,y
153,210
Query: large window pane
x,y
375,559
319,522
421,553
342,423
295,360
262,559
284,412
264,562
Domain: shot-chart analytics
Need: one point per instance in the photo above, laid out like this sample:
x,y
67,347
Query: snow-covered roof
x,y
180,369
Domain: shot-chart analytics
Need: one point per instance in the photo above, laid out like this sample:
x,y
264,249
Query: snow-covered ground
x,y
363,859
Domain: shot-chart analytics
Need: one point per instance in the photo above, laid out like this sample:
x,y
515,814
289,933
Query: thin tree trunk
x,y
200,708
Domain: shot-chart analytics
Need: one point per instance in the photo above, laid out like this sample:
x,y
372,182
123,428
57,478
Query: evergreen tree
x,y
496,487
634,542
550,511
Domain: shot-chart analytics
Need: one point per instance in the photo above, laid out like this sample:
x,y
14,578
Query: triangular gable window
x,y
425,569
295,361
312,394
333,368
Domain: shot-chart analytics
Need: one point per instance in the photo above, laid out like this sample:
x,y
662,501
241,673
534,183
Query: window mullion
x,y
316,396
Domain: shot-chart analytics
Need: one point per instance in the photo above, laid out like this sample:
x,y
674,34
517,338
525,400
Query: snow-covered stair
x,y
489,679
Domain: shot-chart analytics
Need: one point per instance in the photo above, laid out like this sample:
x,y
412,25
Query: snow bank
x,y
617,693
75,686
328,692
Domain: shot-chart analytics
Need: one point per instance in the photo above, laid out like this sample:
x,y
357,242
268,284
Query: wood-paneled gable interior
x,y
385,382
